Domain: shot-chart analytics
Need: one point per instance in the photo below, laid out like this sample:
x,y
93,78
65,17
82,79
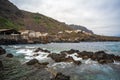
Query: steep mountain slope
x,y
9,15
75,27
12,17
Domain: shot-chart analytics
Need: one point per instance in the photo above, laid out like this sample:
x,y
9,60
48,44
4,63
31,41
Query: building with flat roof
x,y
9,34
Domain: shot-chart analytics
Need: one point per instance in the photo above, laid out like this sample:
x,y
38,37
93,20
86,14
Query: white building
x,y
68,31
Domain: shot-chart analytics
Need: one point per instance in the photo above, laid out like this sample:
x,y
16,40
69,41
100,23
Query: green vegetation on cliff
x,y
8,24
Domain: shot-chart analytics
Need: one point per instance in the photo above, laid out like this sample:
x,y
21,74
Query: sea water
x,y
88,70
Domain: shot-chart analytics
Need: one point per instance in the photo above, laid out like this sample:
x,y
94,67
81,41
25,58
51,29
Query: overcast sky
x,y
101,16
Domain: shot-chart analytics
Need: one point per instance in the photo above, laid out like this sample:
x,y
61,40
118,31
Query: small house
x,y
9,34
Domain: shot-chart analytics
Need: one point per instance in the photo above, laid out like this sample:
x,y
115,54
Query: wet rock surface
x,y
32,62
1,65
37,64
100,56
70,51
63,58
61,76
2,51
10,55
58,57
42,50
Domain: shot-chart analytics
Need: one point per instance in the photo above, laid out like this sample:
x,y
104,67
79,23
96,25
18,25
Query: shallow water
x,y
88,70
109,47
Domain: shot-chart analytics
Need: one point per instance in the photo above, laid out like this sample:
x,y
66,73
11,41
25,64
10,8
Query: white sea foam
x,y
74,56
29,47
116,62
16,46
28,57
89,61
42,56
26,52
62,64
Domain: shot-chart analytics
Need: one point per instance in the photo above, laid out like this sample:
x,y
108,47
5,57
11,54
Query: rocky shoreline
x,y
65,56
61,38
14,42
10,66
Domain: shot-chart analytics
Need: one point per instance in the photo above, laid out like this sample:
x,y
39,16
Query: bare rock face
x,y
2,51
61,76
9,10
79,27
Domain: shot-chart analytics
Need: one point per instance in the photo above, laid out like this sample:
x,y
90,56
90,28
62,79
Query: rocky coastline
x,y
9,65
54,40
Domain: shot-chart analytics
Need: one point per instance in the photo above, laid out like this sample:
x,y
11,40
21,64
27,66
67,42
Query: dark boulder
x,y
58,57
37,64
85,54
117,58
41,65
9,55
72,51
99,55
105,61
40,49
32,62
46,51
69,59
36,55
62,58
2,51
85,57
102,61
77,62
60,76
100,52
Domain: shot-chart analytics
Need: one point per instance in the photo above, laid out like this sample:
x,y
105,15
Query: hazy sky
x,y
101,16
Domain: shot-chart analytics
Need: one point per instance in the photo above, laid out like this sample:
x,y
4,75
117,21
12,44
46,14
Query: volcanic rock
x,y
9,55
40,49
32,62
70,51
58,57
1,64
2,51
60,76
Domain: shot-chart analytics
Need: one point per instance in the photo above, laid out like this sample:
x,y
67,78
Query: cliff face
x,y
9,10
75,27
12,17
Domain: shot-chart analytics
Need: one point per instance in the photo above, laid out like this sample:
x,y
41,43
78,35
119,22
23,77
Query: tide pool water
x,y
88,70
